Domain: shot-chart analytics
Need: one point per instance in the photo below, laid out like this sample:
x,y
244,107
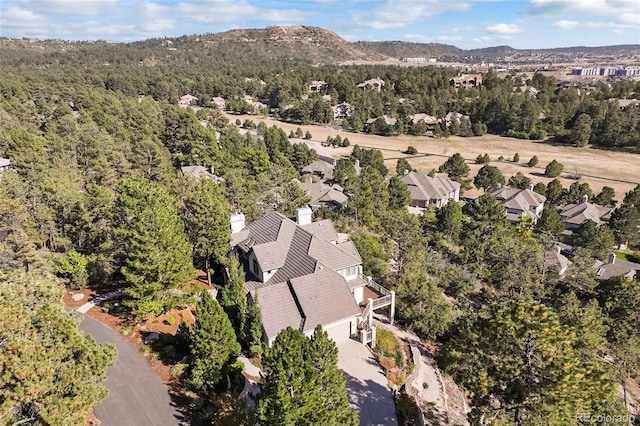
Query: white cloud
x,y
449,38
404,13
216,11
625,12
481,39
565,24
71,7
18,22
504,29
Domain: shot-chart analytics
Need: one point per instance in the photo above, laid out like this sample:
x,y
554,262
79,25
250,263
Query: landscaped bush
x,y
533,162
411,150
553,169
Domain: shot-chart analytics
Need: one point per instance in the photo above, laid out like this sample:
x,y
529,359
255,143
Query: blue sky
x,y
466,24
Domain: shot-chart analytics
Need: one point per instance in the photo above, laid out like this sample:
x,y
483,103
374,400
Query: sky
x,y
523,24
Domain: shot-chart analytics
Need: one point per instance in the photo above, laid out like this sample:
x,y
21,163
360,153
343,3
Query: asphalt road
x,y
137,397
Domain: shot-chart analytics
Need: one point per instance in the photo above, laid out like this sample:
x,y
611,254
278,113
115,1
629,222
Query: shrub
x,y
308,135
533,162
553,169
501,158
171,320
411,150
516,157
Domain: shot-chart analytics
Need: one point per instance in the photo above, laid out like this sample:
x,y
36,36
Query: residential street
x,y
137,397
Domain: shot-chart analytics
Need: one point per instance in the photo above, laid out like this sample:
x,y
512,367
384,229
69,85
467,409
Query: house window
x,y
255,266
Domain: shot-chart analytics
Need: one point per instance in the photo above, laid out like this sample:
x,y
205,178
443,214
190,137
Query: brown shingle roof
x,y
278,308
577,214
322,229
423,187
523,200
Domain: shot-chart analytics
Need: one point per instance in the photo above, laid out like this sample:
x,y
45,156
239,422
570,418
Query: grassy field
x,y
598,168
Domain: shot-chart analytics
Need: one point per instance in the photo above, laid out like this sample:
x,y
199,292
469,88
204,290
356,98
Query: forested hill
x,y
288,45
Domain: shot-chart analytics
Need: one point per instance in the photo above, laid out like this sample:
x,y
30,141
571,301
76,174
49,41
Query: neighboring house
x,y
219,102
319,168
323,195
187,100
254,106
520,203
374,84
430,191
466,81
429,120
318,86
341,110
4,165
555,260
615,268
201,172
574,215
390,121
301,276
529,90
459,118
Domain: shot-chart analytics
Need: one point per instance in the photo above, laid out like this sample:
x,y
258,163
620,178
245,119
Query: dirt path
x,y
438,397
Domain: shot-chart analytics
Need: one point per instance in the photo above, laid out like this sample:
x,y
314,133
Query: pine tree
x,y
290,393
550,222
399,195
207,223
152,243
233,295
323,357
213,344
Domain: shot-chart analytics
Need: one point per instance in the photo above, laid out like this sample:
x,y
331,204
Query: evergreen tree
x,y
207,223
153,245
553,169
625,223
290,393
455,167
403,165
550,222
488,178
323,357
213,344
519,181
233,295
533,161
555,193
399,195
521,366
605,197
450,220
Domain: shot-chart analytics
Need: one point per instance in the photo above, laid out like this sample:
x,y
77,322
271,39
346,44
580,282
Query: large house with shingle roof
x,y
574,215
301,276
323,195
520,203
428,191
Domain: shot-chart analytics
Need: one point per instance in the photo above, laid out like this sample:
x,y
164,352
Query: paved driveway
x,y
137,397
366,385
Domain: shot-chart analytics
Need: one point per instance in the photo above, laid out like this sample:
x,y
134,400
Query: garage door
x,y
339,332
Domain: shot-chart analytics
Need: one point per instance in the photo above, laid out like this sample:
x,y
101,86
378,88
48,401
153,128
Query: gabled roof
x,y
200,172
388,120
617,268
320,298
319,167
322,193
523,200
279,243
428,119
423,187
322,229
577,214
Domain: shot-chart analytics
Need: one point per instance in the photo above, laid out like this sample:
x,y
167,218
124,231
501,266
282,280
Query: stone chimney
x,y
304,215
237,222
530,187
612,258
498,186
357,163
585,198
335,162
406,172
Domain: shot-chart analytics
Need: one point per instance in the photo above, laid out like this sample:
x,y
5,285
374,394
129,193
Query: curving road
x,y
137,397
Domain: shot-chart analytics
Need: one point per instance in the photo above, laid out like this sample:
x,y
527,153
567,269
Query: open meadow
x,y
598,168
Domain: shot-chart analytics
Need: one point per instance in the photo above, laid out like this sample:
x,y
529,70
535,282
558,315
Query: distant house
x,y
318,86
615,268
430,191
574,215
529,90
390,121
520,203
254,106
374,84
555,260
341,110
429,120
323,195
201,172
320,168
187,100
455,116
4,164
466,81
301,276
219,102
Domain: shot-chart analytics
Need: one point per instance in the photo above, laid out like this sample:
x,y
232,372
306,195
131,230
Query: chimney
x,y
585,198
213,171
498,186
335,162
304,215
357,163
237,222
530,187
406,172
612,258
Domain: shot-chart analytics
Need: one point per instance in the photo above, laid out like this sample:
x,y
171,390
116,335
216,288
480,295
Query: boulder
x,y
77,297
152,337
